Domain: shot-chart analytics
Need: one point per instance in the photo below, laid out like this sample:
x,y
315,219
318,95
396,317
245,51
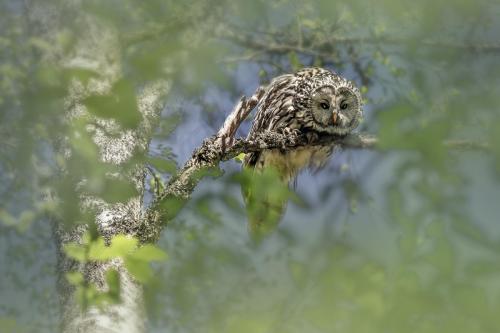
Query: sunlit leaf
x,y
240,157
99,251
121,246
149,253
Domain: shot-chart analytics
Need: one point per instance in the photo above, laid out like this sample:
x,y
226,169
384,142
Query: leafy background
x,y
400,238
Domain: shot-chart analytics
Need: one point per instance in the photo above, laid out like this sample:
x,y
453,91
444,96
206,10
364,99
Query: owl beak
x,y
335,118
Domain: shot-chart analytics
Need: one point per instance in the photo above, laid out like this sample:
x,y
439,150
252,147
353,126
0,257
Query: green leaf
x,y
86,238
163,165
25,219
150,253
139,269
99,251
117,190
101,299
74,278
121,246
167,124
50,82
240,158
75,251
113,281
294,61
214,172
120,104
171,206
90,295
9,325
6,218
80,295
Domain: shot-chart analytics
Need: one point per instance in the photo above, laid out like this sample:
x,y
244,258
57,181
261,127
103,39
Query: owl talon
x,y
291,136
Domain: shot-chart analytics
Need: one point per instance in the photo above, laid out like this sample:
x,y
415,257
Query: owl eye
x,y
343,105
325,106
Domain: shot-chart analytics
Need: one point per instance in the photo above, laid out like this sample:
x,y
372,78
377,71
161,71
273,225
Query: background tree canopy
x,y
401,238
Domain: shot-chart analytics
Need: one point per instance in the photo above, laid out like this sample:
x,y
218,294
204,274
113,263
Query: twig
x,y
156,179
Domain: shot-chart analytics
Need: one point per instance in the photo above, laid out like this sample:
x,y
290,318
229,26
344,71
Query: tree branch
x,y
245,40
223,147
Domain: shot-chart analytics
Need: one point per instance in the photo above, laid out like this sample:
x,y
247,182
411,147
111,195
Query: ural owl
x,y
313,101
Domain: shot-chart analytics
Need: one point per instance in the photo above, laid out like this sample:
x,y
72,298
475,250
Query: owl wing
x,y
274,111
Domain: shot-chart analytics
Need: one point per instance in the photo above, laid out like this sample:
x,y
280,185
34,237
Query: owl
x,y
313,102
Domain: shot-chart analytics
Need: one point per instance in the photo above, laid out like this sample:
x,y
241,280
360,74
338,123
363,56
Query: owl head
x,y
327,102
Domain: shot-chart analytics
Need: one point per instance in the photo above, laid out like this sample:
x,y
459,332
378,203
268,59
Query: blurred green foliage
x,y
137,261
266,196
401,239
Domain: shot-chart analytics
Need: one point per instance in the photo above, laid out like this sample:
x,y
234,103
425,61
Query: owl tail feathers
x,y
266,195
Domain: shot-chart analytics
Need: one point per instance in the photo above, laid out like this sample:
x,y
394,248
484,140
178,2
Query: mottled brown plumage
x,y
313,101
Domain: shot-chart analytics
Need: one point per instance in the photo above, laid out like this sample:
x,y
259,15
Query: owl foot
x,y
292,136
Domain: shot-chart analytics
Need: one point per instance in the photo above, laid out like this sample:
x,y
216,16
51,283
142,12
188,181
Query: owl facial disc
x,y
335,109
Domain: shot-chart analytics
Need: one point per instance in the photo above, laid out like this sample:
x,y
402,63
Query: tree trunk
x,y
98,49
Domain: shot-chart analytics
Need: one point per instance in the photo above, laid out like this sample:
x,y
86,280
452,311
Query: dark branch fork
x,y
223,146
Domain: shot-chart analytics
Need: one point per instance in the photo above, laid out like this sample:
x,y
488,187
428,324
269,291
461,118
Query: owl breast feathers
x,y
313,101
